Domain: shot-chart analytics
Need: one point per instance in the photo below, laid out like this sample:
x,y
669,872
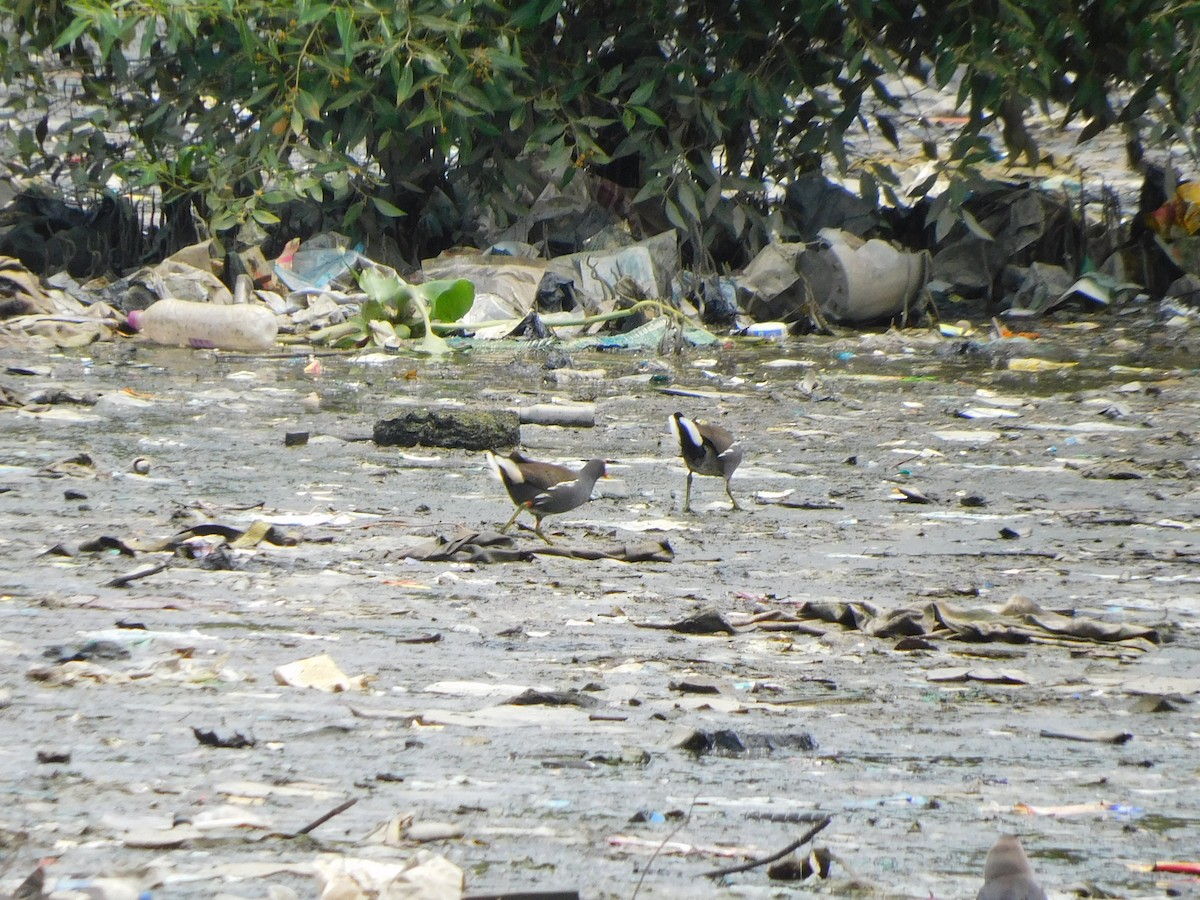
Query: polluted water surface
x,y
959,601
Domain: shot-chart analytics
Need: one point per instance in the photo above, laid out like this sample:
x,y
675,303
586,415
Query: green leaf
x,y
264,217
345,29
433,62
78,26
374,311
559,156
550,10
648,115
594,123
353,212
651,188
387,208
674,216
224,220
642,93
149,35
974,227
314,13
855,63
429,114
380,285
408,297
944,69
256,99
737,220
110,25
308,105
712,199
535,12
1091,129
687,199
404,85
346,98
888,127
449,299
611,79
917,191
944,225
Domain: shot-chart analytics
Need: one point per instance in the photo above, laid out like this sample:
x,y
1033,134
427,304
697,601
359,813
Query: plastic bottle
x,y
184,323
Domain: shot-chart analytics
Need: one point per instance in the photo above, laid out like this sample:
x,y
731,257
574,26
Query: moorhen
x,y
544,488
708,450
1007,874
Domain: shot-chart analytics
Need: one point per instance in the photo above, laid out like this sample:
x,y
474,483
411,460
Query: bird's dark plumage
x,y
1007,874
34,886
544,488
707,449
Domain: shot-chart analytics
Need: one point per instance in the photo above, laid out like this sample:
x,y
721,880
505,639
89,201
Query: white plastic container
x,y
872,280
184,323
775,331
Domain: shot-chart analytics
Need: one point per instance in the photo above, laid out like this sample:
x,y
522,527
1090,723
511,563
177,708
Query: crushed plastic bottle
x,y
184,323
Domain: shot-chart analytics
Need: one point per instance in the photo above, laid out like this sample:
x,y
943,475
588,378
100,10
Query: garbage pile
x,y
1024,248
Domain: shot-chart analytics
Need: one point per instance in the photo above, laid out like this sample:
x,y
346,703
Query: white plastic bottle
x,y
184,323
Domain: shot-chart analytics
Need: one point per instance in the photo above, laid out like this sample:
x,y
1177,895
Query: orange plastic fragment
x,y
1004,331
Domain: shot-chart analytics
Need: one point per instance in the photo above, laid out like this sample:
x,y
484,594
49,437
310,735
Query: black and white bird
x,y
544,488
707,449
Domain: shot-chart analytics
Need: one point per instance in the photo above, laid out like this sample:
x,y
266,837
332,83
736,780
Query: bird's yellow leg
x,y
730,493
538,531
508,524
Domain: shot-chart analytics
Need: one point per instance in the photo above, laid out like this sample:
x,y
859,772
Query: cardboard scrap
x,y
322,673
426,876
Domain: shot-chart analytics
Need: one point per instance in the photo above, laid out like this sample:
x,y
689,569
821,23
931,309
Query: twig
x,y
336,811
124,580
755,863
658,849
907,459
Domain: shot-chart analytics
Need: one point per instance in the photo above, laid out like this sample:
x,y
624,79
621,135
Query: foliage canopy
x,y
416,120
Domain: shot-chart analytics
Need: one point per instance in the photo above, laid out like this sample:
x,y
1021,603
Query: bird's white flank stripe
x,y
510,469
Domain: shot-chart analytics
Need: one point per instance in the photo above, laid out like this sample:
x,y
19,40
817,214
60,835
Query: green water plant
x,y
396,310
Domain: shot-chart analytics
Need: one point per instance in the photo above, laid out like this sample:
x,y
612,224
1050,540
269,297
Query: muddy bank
x,y
1070,487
